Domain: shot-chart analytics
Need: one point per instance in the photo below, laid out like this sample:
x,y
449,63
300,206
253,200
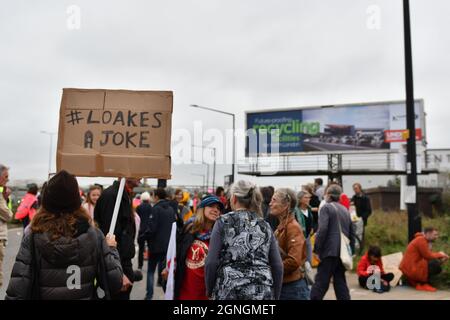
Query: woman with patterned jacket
x,y
244,261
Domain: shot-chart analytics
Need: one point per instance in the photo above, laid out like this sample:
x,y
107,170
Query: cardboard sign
x,y
115,133
391,263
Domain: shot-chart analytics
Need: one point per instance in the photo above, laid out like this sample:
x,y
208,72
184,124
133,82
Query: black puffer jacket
x,y
55,258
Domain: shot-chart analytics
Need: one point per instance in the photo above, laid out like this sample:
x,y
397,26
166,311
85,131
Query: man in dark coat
x,y
327,246
362,203
125,230
157,235
144,211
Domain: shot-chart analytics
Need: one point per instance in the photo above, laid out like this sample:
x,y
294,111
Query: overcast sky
x,y
235,55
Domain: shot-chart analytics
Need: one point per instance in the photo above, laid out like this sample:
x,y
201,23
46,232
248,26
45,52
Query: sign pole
x,y
112,227
414,221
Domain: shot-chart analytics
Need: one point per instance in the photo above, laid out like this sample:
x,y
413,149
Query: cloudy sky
x,y
235,55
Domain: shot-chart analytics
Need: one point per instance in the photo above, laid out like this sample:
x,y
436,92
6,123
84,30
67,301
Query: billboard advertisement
x,y
338,128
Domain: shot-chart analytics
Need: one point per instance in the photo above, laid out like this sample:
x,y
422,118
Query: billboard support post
x,y
335,167
414,220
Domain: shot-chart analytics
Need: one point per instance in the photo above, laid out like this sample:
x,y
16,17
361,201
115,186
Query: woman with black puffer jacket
x,y
63,256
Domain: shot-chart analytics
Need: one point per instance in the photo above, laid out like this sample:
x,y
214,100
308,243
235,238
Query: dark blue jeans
x,y
154,260
295,290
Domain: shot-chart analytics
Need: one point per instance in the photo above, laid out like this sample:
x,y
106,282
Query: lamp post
x,y
214,166
50,134
414,221
234,135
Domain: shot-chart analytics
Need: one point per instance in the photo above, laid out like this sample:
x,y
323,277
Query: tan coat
x,y
5,216
292,248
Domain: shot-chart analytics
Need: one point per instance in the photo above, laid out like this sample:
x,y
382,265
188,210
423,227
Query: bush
x,y
446,202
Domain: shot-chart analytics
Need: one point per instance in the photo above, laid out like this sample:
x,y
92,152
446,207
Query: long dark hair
x,y
267,194
58,225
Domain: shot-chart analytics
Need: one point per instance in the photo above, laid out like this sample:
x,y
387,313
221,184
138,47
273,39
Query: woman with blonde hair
x,y
243,262
192,249
184,211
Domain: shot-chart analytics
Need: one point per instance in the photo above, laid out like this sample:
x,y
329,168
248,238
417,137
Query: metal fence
x,y
374,161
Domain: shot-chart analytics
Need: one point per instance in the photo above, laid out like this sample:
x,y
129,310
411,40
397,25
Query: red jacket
x,y
364,265
26,207
414,264
344,200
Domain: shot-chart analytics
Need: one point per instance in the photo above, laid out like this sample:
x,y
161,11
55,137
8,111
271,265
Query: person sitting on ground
x,y
419,263
369,265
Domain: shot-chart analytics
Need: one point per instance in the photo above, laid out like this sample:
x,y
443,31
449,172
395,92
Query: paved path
x,y
138,293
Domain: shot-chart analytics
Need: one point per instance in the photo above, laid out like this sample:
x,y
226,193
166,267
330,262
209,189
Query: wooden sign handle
x,y
117,206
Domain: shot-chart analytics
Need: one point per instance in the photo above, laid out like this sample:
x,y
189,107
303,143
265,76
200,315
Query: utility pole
x,y
414,220
50,134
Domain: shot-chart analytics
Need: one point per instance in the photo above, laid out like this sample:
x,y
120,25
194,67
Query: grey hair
x,y
334,191
248,195
301,194
170,192
287,197
3,168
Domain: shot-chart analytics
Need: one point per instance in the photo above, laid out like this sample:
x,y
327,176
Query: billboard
x,y
339,128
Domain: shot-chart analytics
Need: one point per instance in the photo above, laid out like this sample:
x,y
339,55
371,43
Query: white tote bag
x,y
346,250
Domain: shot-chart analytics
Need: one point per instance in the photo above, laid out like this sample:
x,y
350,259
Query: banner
x,y
400,135
171,262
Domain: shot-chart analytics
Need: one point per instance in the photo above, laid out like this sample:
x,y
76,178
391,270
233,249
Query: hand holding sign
x,y
116,207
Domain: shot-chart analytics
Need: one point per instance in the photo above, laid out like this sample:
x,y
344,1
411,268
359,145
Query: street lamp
x,y
214,166
51,134
234,135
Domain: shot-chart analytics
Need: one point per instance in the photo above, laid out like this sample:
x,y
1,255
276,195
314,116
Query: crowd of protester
x,y
246,242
